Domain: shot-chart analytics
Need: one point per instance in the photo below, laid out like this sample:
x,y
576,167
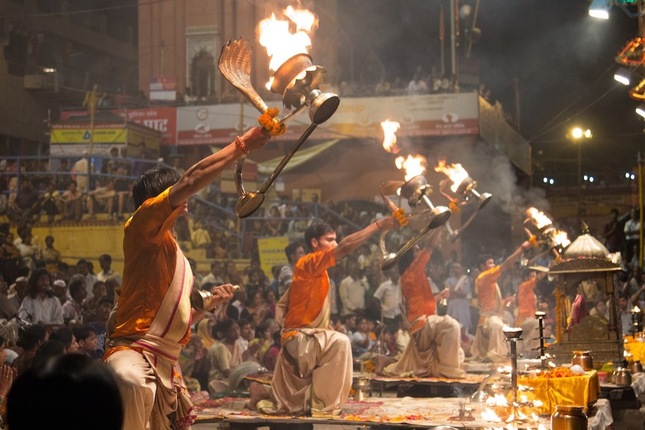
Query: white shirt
x,y
48,311
389,295
352,294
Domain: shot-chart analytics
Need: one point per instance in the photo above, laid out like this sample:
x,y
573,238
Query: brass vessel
x,y
583,358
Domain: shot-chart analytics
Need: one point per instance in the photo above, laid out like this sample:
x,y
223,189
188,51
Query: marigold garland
x,y
399,216
270,123
454,206
558,372
533,241
558,315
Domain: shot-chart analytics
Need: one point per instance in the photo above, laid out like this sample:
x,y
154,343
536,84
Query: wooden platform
x,y
380,412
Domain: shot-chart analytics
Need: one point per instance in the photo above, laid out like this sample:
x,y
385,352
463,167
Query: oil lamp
x,y
513,335
425,216
464,193
298,81
636,319
539,227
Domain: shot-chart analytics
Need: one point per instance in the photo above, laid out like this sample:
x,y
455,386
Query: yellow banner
x,y
84,136
271,250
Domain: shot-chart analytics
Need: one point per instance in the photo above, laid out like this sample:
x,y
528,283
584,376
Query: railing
x,y
213,216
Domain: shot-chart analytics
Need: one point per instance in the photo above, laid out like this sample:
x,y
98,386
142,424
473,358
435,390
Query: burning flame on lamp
x,y
413,165
455,172
294,77
281,44
540,220
389,136
560,238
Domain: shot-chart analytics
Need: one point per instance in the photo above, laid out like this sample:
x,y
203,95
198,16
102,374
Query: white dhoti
x,y
313,372
434,350
490,342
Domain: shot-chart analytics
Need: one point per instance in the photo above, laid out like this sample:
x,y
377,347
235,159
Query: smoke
x,y
493,172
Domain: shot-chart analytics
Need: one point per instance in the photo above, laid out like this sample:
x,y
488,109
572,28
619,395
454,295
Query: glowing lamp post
x,y
578,136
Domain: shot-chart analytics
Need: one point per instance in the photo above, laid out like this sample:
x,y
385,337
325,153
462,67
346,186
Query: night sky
x,y
562,61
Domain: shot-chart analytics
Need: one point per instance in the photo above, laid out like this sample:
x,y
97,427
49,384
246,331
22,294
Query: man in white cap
x,y
59,287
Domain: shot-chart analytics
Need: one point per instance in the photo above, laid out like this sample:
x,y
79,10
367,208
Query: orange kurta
x,y
488,295
150,256
416,289
526,301
308,291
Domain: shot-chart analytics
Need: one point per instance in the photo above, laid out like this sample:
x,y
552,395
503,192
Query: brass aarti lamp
x,y
425,216
297,80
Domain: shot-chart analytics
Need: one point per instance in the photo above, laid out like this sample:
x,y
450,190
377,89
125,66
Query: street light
x,y
578,135
599,9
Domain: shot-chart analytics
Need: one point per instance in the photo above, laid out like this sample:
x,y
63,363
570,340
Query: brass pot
x,y
583,359
636,366
622,377
567,417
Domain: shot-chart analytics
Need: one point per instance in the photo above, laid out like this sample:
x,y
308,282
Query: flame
x,y
540,219
389,135
636,309
455,172
279,39
414,165
560,238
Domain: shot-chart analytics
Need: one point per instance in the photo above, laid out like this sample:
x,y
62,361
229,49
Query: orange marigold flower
x,y
270,123
533,241
399,216
454,206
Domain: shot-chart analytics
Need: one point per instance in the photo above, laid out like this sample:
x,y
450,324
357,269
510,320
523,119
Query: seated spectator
x,y
24,208
271,356
99,324
65,335
87,339
7,308
48,350
360,339
59,288
263,339
68,391
102,199
40,305
73,202
91,305
73,307
51,202
28,247
192,361
51,255
27,345
224,355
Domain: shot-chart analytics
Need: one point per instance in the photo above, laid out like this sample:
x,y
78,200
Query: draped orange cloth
x,y
636,348
580,390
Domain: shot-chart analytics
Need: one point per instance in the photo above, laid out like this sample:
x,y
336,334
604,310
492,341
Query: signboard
x,y
271,252
419,115
76,138
162,119
83,134
163,88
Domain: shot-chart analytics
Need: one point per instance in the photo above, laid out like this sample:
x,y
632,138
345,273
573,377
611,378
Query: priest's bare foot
x,y
258,392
